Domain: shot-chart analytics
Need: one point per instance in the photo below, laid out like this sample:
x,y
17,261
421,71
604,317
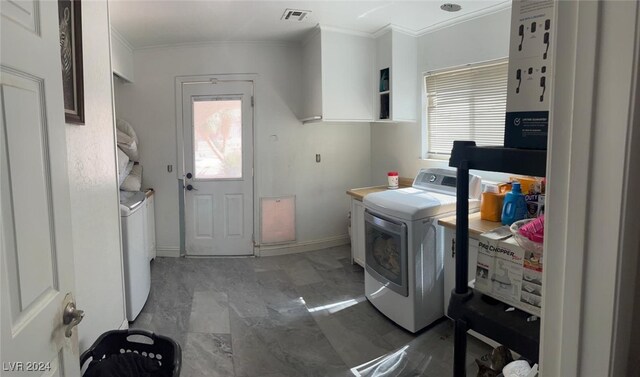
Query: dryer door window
x,y
386,252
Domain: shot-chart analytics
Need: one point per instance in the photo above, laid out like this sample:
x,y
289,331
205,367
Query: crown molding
x,y
310,35
215,43
391,27
116,35
346,31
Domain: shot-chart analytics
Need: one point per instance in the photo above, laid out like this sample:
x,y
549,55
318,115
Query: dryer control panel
x,y
445,180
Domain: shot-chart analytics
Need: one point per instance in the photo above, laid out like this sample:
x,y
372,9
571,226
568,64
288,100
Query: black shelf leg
x,y
460,349
462,228
462,266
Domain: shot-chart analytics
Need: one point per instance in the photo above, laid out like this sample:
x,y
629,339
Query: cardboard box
x,y
508,273
530,73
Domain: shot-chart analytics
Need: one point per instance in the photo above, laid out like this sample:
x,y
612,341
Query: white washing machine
x,y
137,269
404,275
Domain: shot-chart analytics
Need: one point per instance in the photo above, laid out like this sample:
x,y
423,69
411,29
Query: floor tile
x,y
292,315
245,299
354,334
209,313
324,259
288,345
302,272
207,355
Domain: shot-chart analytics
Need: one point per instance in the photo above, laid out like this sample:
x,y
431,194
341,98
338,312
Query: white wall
x,y
93,187
285,149
399,146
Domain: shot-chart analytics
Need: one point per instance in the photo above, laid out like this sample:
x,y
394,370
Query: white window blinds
x,y
466,104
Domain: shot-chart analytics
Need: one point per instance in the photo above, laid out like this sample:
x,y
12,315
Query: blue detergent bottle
x,y
514,207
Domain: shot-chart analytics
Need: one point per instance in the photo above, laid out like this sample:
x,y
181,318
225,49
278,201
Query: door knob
x,y
71,318
189,175
189,188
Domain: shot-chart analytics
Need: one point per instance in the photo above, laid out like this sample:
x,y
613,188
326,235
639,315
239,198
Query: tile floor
x,y
294,315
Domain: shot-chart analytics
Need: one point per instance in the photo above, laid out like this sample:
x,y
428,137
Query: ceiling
x,y
146,23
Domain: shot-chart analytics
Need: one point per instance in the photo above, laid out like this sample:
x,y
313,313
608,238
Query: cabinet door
x,y
450,263
347,71
404,85
357,232
312,78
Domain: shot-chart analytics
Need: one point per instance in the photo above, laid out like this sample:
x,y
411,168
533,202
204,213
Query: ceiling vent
x,y
295,15
448,7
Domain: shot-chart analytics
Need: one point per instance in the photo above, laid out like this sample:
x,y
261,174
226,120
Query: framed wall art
x,y
69,17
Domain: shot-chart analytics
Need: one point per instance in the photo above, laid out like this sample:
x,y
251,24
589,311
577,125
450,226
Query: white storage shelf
x,y
398,53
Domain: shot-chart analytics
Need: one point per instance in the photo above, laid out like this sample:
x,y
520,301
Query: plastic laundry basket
x,y
145,343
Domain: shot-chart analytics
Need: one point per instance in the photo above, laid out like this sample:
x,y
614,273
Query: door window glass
x,y
217,138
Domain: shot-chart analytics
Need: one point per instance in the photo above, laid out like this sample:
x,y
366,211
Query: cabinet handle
x,y
453,248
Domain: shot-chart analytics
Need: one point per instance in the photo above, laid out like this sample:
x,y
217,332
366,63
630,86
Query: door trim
x,y
180,153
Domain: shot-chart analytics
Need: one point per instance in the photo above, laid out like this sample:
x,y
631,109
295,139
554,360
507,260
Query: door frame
x,y
180,152
587,294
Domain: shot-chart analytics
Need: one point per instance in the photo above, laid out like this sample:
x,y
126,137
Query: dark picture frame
x,y
70,21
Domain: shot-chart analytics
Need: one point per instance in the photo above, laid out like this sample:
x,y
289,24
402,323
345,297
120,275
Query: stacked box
x,y
530,73
507,272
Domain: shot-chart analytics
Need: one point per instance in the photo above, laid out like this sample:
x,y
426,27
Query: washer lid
x,y
412,204
130,201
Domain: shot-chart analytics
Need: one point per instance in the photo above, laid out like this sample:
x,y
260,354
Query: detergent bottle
x,y
515,206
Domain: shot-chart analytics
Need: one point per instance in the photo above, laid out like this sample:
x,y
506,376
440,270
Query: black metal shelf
x,y
489,318
499,159
470,310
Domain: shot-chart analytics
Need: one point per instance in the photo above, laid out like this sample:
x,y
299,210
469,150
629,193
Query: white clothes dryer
x,y
404,275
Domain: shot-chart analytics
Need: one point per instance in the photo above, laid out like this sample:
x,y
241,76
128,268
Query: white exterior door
x,y
218,149
37,270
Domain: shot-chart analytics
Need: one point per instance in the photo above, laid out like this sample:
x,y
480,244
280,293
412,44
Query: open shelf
x,y
488,317
385,106
469,309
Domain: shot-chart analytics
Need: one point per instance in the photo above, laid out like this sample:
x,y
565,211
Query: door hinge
x,y
252,101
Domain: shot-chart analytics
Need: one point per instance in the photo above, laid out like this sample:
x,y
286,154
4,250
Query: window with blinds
x,y
466,104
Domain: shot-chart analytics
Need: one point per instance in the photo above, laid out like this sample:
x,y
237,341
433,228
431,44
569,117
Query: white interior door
x,y
218,138
35,243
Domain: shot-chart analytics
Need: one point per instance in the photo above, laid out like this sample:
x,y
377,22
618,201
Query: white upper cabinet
x,y
396,77
337,77
121,56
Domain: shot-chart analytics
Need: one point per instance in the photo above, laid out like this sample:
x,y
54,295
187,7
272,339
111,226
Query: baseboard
x,y
171,252
124,325
299,247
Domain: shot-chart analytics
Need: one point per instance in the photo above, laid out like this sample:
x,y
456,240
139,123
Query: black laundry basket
x,y
162,348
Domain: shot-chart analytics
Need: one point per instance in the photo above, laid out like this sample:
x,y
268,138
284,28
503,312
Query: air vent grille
x,y
298,15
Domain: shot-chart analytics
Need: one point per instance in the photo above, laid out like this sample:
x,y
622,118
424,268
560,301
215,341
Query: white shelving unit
x,y
397,60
